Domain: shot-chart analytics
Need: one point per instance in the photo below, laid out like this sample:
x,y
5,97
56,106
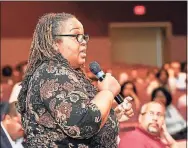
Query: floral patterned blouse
x,y
59,113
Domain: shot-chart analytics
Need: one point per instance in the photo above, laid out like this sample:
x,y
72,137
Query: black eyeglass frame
x,y
159,115
85,36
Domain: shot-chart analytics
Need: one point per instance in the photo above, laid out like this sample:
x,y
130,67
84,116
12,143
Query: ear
x,y
55,46
7,118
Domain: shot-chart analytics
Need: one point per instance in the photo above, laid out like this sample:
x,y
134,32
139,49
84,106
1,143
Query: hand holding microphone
x,y
108,82
124,110
96,70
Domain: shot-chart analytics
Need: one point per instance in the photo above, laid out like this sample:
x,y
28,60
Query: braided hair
x,y
44,38
42,47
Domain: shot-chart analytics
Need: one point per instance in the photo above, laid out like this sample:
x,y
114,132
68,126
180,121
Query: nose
x,y
84,43
155,117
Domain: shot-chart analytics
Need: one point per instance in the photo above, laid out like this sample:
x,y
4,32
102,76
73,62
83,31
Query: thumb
x,y
127,99
126,105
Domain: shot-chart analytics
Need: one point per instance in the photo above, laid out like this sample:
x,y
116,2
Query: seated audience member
x,y
21,67
161,80
11,129
17,87
129,89
175,123
150,77
134,77
166,66
156,70
6,75
179,76
182,105
19,71
6,83
151,131
182,101
123,77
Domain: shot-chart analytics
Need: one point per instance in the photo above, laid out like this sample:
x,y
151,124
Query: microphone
x,y
96,70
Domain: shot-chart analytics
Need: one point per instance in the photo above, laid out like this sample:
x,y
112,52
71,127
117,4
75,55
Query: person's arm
x,y
104,105
124,110
152,86
167,138
68,103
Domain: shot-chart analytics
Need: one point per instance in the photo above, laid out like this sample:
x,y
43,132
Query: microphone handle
x,y
118,98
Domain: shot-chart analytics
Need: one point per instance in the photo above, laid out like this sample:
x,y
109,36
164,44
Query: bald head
x,y
176,67
149,105
175,64
151,117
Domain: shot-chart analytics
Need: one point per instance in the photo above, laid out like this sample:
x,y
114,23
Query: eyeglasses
x,y
151,114
79,37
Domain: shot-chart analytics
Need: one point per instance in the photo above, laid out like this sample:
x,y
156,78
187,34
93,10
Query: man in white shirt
x,y
178,76
11,129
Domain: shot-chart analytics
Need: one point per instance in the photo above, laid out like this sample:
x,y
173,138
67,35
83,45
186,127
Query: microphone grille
x,y
94,67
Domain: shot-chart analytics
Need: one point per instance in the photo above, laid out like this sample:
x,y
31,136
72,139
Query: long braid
x,y
42,43
41,48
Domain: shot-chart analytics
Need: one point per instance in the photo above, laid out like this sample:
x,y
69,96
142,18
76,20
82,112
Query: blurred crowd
x,y
166,85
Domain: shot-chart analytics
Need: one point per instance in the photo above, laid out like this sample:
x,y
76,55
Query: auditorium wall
x,y
18,20
14,50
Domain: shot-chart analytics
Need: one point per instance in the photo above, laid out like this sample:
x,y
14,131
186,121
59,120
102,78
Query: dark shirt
x,y
4,143
139,138
59,112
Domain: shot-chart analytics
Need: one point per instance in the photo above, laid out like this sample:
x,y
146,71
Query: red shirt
x,y
139,138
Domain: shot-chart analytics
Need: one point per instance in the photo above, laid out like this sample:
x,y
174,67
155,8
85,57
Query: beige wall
x,y
179,48
136,45
18,19
14,50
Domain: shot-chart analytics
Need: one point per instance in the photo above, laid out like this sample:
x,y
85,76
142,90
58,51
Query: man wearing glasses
x,y
151,131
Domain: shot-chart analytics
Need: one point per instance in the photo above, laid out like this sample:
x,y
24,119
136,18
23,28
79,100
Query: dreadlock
x,y
44,37
42,47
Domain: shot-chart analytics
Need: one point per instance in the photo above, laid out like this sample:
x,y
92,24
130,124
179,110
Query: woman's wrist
x,y
106,90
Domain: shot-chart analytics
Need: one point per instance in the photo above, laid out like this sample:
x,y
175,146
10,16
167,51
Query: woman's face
x,y
128,89
166,66
160,97
163,77
69,47
151,76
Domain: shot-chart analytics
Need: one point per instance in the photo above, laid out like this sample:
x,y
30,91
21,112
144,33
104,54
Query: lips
x,y
83,53
154,125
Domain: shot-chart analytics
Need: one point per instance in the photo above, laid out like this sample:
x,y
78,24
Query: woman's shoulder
x,y
52,67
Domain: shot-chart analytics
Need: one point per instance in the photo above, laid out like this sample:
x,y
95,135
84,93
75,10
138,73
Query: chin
x,y
153,131
82,61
